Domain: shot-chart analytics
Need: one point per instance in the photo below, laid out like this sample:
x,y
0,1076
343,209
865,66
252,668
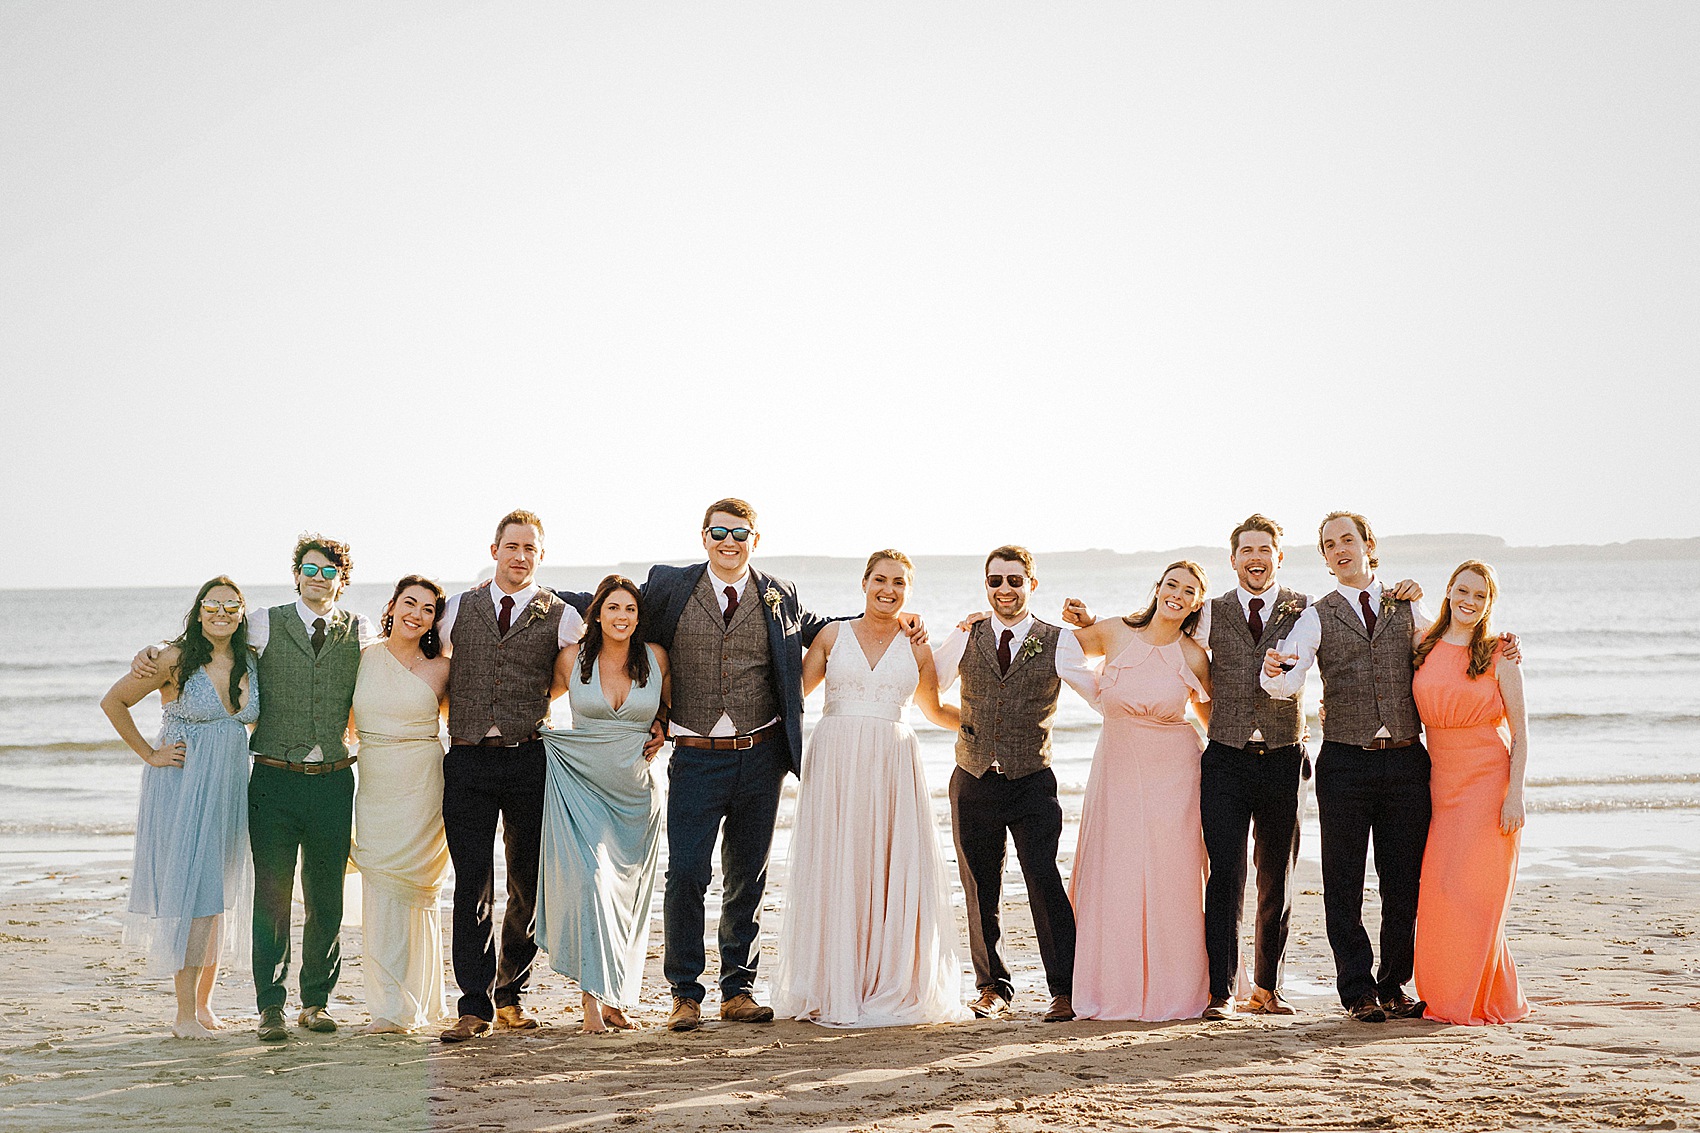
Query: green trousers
x,y
309,818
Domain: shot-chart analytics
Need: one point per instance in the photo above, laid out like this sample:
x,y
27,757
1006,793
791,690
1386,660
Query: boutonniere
x,y
539,607
773,598
1289,608
1388,603
1030,648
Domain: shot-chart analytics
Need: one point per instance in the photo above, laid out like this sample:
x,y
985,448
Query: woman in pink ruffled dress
x,y
1138,879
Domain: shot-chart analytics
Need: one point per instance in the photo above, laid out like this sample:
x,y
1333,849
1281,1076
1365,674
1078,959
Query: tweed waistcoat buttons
x,y
1238,704
705,644
1366,682
497,679
312,692
1006,718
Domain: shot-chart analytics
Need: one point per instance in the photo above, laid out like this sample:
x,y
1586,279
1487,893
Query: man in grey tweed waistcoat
x,y
1372,772
1252,772
1012,667
502,644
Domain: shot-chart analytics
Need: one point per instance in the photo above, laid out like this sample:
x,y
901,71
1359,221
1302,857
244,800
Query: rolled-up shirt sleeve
x,y
1073,669
947,656
572,628
1306,636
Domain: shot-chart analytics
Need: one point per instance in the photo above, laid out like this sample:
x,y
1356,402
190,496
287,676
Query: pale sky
x,y
934,276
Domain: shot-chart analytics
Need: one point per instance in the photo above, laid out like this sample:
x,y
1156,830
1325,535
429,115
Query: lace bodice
x,y
198,703
849,680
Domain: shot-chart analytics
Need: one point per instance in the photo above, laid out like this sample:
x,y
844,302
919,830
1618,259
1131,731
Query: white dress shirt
x,y
1201,633
1307,637
260,632
724,725
1070,661
571,628
260,625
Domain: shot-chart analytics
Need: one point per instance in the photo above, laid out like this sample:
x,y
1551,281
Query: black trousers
x,y
1364,797
1239,793
481,784
984,814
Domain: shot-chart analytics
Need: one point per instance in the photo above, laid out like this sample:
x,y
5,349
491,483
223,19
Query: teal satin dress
x,y
602,809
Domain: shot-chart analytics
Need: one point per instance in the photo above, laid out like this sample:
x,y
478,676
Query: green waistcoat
x,y
307,697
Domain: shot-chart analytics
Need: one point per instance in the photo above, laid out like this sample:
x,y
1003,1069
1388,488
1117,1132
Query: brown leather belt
x,y
495,741
729,743
305,768
1386,742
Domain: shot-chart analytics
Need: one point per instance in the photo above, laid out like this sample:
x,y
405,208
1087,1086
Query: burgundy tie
x,y
731,604
1003,650
1256,619
1369,614
506,617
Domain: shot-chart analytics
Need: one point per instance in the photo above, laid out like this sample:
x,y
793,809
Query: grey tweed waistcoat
x,y
502,679
1238,704
720,668
1366,684
1006,717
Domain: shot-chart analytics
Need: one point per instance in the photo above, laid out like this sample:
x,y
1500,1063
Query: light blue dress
x,y
192,832
602,810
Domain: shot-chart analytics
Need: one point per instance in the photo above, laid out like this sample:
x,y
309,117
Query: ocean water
x,y
1612,664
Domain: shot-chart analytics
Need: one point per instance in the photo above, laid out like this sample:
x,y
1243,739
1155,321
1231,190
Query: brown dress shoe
x,y
466,1027
316,1019
686,1015
1220,1007
1366,1010
744,1009
990,1005
1062,1010
514,1018
1263,1002
1401,1006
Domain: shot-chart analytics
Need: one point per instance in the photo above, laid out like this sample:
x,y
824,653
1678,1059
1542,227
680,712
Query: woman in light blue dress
x,y
191,866
602,809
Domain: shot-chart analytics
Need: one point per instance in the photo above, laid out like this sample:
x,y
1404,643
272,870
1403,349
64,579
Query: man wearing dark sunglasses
x,y
1012,667
301,791
735,636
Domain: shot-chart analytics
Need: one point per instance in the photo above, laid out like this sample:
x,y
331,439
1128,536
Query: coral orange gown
x,y
1463,966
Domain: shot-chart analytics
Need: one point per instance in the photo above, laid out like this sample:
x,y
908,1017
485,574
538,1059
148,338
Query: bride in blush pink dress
x,y
1138,879
868,937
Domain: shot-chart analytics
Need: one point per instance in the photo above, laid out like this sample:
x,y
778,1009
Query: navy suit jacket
x,y
790,630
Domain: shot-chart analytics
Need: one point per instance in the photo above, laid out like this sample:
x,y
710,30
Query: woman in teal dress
x,y
602,809
191,864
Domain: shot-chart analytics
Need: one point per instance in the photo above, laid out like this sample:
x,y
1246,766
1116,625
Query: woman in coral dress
x,y
1468,701
1138,879
868,937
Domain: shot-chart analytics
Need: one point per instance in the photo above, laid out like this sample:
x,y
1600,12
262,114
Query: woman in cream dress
x,y
398,811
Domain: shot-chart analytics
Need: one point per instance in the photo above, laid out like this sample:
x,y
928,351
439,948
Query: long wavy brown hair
x,y
1483,640
430,643
195,650
637,660
1143,618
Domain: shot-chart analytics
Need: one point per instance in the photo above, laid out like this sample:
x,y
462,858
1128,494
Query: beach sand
x,y
1607,942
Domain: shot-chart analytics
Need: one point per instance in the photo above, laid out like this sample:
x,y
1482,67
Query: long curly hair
x,y
1190,622
429,643
194,649
637,660
1483,641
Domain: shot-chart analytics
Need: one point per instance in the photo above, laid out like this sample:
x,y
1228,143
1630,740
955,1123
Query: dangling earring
x,y
389,623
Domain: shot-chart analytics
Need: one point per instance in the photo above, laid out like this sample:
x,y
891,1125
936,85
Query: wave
x,y
1614,780
65,751
100,663
1643,719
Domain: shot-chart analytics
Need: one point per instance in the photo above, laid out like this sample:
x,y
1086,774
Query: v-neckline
x,y
863,650
219,696
596,678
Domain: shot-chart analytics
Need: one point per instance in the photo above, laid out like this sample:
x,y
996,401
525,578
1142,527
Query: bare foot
x,y
616,1019
205,1017
383,1027
190,1029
